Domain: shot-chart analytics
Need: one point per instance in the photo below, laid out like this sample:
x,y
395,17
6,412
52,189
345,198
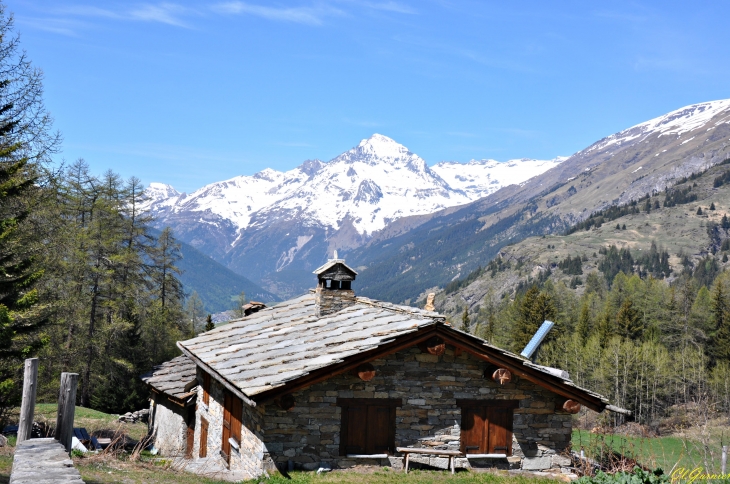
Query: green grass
x,y
91,420
664,452
95,471
387,476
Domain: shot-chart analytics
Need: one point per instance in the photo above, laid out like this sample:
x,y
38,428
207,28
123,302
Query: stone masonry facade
x,y
167,424
308,435
250,458
429,386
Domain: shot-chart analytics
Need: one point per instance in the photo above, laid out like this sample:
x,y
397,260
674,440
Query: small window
x,y
486,426
368,425
206,388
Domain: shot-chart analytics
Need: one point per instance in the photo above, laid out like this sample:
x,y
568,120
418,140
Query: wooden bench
x,y
407,451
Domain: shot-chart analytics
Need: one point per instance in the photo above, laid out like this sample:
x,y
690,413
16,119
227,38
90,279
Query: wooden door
x,y
473,430
190,433
356,430
203,452
378,430
226,445
500,430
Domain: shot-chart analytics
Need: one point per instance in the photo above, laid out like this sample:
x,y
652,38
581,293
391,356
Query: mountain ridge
x,y
274,227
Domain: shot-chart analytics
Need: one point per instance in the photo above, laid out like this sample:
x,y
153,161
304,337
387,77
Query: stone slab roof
x,y
285,342
174,378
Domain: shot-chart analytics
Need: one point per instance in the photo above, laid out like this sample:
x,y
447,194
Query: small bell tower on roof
x,y
334,286
335,274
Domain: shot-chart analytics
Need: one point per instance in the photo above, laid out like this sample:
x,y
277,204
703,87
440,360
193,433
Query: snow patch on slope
x,y
678,122
373,184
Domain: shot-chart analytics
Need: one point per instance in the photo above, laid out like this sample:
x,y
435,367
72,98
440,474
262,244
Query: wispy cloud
x,y
313,15
61,26
389,7
165,13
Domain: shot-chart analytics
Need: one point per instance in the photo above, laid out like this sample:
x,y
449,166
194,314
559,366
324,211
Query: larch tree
x,y
26,142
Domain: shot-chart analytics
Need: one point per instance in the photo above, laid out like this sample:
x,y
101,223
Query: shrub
x,y
637,476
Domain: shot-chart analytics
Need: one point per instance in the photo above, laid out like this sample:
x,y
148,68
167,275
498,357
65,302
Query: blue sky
x,y
189,93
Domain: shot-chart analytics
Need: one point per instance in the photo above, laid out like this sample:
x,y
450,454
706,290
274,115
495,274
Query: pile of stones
x,y
134,417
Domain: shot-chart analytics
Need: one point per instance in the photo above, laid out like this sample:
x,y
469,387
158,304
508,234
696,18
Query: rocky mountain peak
x,y
378,149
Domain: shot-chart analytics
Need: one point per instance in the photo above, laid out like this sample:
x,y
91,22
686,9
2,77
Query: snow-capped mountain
x,y
371,185
319,206
479,178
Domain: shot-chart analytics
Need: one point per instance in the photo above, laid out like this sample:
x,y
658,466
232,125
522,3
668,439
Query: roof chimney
x,y
334,287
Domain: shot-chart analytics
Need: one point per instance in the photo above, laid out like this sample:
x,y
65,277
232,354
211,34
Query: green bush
x,y
637,476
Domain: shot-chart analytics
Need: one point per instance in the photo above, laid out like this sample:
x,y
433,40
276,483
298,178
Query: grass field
x,y
664,452
91,420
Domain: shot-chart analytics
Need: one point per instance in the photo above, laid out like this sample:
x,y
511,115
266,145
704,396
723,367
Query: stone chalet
x,y
332,380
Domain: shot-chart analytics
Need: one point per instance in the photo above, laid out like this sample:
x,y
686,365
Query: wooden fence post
x,y
724,459
66,407
27,407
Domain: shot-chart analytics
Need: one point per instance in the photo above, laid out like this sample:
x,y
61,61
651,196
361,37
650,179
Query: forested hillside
x,y
84,285
640,294
217,286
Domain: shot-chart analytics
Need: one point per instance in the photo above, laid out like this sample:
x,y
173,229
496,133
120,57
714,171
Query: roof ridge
x,y
400,308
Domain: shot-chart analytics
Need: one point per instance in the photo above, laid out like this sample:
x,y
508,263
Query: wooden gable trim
x,y
545,380
218,377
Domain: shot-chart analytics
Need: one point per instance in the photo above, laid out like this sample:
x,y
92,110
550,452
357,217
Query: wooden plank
x,y
225,443
378,433
236,415
356,430
203,447
66,409
190,434
473,438
206,388
27,406
423,450
500,430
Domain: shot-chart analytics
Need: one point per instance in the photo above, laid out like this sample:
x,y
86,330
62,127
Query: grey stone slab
x,y
42,461
536,463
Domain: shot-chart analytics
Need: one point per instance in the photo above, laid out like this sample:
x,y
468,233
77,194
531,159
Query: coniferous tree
x,y
26,142
583,329
209,325
628,321
465,324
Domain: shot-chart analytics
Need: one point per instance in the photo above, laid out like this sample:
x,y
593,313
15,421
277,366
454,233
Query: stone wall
x,y
308,435
429,387
167,424
251,458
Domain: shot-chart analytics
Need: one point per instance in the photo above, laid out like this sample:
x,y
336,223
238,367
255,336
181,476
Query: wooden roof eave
x,y
545,380
451,336
217,376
